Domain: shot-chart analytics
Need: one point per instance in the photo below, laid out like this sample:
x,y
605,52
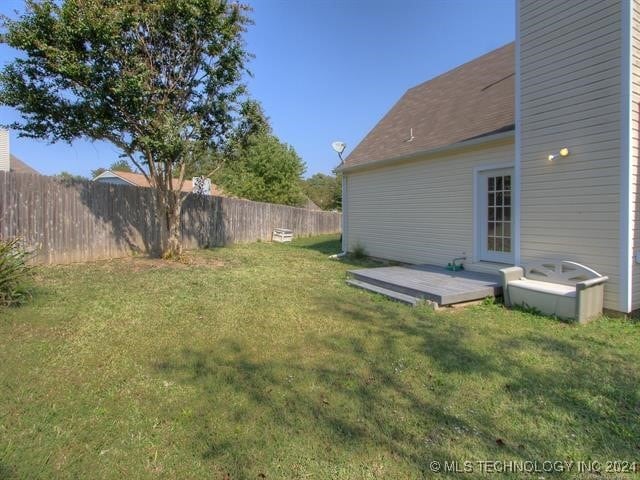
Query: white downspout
x,y
343,227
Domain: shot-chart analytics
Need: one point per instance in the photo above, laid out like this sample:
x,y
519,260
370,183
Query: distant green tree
x,y
254,163
69,177
324,190
264,169
119,165
337,193
252,122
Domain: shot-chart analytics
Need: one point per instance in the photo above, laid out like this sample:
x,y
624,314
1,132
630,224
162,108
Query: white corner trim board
x,y
515,194
626,174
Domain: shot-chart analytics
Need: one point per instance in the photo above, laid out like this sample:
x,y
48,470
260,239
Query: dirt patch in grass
x,y
191,259
141,264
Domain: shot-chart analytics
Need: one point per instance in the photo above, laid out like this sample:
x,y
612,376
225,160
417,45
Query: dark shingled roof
x,y
18,166
475,99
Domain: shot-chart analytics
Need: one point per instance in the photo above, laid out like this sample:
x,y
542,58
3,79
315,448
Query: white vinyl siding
x,y
635,139
422,211
570,84
5,158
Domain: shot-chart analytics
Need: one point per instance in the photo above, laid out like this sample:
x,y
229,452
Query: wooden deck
x,y
427,282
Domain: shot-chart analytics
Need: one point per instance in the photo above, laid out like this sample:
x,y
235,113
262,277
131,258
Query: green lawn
x,y
258,361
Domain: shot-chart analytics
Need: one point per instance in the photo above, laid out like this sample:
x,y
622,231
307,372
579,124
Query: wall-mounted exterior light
x,y
564,151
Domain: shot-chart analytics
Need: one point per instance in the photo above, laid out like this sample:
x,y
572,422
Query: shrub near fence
x,y
75,221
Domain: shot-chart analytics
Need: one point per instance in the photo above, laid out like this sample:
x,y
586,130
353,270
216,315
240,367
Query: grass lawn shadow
x,y
270,366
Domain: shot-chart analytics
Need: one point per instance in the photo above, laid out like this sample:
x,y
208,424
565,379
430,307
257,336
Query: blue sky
x,y
324,70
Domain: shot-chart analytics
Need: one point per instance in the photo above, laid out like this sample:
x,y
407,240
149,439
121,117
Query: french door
x,y
496,215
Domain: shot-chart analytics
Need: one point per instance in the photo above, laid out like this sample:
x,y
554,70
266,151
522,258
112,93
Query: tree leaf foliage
x,y
264,169
324,190
120,166
159,79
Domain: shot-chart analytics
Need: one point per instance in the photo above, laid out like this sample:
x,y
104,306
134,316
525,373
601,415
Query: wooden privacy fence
x,y
75,221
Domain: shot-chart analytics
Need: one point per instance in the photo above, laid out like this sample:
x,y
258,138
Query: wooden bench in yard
x,y
565,289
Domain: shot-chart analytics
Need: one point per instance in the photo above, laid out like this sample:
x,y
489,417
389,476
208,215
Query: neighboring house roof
x,y
470,101
139,180
18,166
310,204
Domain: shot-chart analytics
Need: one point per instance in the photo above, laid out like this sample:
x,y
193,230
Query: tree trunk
x,y
170,203
174,241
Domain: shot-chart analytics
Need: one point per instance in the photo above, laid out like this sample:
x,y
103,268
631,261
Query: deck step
x,y
431,283
400,297
365,277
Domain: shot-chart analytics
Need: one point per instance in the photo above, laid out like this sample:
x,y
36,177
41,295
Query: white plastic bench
x,y
565,289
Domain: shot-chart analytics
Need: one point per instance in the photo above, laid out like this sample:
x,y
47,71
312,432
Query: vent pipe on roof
x,y
5,158
411,137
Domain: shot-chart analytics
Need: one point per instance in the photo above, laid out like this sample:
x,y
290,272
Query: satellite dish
x,y
339,147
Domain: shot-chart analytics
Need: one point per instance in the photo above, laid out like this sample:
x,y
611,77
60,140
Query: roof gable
x,y
18,166
470,101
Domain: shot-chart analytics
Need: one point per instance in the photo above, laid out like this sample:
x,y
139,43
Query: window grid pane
x,y
499,213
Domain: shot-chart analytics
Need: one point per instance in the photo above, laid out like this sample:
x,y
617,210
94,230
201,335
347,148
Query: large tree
x,y
251,122
159,79
259,166
264,169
